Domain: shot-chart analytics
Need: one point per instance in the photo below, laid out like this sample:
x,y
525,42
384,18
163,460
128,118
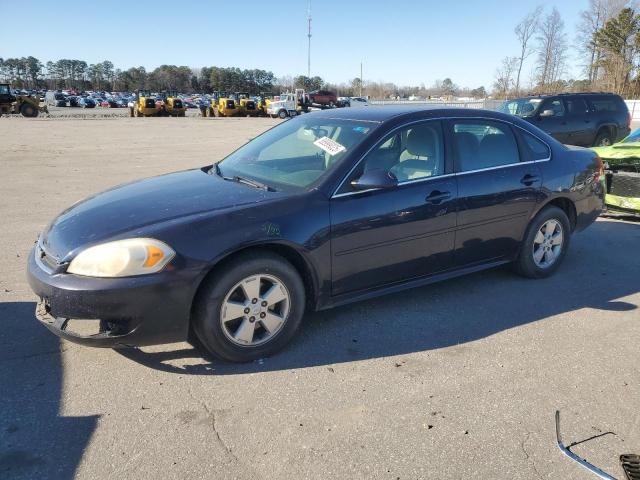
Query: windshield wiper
x,y
246,181
251,182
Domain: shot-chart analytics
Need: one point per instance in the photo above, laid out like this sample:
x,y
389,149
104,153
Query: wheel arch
x,y
565,204
288,252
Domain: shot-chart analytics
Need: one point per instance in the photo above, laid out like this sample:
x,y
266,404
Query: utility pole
x,y
309,42
360,79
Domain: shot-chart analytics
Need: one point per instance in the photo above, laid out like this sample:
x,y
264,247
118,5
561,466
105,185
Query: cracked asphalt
x,y
455,380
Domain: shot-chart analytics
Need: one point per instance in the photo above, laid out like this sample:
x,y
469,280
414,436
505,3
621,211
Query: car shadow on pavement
x,y
36,440
600,269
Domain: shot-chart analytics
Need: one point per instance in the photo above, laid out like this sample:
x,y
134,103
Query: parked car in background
x,y
86,102
55,99
323,97
622,174
73,101
324,209
355,102
122,102
583,119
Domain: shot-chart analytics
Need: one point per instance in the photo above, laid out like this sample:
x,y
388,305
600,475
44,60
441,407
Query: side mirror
x,y
375,179
546,113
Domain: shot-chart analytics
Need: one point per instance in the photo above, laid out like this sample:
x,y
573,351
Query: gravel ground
x,y
455,380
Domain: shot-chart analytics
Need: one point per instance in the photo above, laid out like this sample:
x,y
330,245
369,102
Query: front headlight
x,y
122,258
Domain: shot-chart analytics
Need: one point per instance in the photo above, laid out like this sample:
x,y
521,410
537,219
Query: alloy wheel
x,y
547,244
255,310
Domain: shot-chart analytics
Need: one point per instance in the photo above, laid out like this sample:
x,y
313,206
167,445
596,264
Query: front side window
x,y
481,144
413,152
297,152
555,106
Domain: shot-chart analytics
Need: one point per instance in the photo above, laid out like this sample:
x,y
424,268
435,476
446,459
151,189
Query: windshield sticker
x,y
329,146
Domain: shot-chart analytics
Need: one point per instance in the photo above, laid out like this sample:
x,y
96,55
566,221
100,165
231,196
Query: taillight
x,y
599,173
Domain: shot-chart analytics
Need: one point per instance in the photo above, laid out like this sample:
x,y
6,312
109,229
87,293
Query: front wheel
x,y
282,114
545,244
29,110
250,309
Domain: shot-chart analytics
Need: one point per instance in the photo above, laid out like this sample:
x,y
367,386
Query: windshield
x,y
633,138
297,152
522,107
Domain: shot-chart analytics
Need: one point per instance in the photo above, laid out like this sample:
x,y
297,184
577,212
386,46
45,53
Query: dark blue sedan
x,y
327,208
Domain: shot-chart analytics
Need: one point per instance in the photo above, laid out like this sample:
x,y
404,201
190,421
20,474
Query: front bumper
x,y
132,311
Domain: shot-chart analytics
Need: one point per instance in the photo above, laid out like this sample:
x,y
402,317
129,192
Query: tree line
x,y
608,41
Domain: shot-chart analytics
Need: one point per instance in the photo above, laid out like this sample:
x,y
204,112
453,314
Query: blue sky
x,y
403,41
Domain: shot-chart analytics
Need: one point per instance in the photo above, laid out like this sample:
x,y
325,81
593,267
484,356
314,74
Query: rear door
x,y
497,191
582,127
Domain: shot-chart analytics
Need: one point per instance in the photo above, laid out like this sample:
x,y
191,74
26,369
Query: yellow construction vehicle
x,y
247,104
173,105
262,103
27,105
144,105
224,105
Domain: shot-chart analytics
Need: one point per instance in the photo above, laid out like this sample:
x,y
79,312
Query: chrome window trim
x,y
454,174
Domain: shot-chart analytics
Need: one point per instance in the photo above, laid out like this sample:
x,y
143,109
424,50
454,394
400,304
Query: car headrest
x,y
422,142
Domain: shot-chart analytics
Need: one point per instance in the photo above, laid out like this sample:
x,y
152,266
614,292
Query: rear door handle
x,y
437,196
529,179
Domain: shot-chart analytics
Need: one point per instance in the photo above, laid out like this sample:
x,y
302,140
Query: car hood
x,y
618,151
131,207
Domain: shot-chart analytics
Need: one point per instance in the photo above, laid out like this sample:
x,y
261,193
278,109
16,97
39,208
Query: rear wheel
x,y
29,110
603,139
250,309
545,243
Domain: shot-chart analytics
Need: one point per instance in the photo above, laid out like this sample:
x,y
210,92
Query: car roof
x,y
387,112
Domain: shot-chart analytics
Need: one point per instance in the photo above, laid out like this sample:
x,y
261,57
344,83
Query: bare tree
x,y
592,20
525,30
552,47
504,76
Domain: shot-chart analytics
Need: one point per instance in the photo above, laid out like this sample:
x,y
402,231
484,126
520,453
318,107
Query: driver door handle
x,y
529,179
437,197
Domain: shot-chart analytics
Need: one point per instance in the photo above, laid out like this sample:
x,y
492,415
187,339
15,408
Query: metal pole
x,y
309,42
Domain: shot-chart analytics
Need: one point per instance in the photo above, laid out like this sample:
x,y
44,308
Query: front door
x,y
389,235
555,125
497,191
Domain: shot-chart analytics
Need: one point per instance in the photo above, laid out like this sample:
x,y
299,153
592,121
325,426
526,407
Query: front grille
x,y
177,104
231,104
631,466
250,105
624,184
150,103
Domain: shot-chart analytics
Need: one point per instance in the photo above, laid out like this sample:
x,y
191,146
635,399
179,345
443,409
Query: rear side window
x,y
483,144
604,104
533,148
576,106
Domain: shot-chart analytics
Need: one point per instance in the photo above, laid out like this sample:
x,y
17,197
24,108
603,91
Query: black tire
x,y
525,265
603,138
283,114
28,110
206,320
131,113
